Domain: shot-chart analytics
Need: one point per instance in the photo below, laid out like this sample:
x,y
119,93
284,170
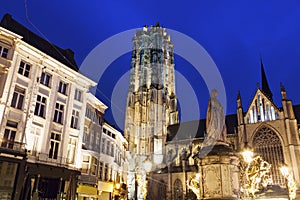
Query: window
x,y
88,113
75,119
40,106
107,147
103,145
85,164
97,138
54,145
3,52
106,172
101,170
24,69
58,113
92,137
94,117
71,150
94,166
268,145
99,120
112,150
78,94
85,134
33,140
18,98
178,190
9,135
111,175
117,156
45,79
62,87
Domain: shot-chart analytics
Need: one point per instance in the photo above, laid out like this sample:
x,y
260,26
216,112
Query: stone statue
x,y
215,119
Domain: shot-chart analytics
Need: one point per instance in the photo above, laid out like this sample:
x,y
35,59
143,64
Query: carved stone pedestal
x,y
218,167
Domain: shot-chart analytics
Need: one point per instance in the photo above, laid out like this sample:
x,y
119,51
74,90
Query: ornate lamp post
x,y
291,185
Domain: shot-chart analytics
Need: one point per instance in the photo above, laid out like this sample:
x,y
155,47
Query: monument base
x,y
218,167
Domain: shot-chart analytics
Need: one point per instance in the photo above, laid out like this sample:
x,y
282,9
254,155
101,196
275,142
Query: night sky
x,y
234,33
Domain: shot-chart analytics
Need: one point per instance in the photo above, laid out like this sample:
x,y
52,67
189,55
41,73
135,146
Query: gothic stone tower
x,y
151,101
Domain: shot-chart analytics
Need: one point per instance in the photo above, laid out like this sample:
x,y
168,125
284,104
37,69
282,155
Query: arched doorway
x,y
267,144
178,191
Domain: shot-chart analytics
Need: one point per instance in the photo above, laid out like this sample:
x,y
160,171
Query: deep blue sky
x,y
234,33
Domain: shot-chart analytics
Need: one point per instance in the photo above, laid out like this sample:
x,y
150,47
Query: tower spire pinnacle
x,y
264,82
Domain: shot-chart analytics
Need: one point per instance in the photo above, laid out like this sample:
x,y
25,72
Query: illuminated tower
x,y
151,100
151,104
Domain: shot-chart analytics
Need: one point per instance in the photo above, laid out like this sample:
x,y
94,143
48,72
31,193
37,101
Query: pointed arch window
x,y
268,112
267,144
273,113
178,194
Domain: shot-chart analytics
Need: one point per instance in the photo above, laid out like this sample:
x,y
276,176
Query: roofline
x,y
62,55
10,33
91,97
67,70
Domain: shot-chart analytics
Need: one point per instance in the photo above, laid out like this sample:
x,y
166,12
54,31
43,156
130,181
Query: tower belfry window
x,y
141,56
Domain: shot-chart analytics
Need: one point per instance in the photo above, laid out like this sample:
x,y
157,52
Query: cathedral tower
x,y
151,100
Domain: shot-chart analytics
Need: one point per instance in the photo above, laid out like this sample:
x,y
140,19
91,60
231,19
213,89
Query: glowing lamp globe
x,y
118,185
147,165
284,171
158,158
247,156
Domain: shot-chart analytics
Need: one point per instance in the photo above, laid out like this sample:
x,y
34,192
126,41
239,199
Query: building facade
x,y
92,130
113,165
54,142
42,93
104,165
271,131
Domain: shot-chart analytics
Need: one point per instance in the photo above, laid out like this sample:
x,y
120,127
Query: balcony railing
x,y
12,146
58,161
43,158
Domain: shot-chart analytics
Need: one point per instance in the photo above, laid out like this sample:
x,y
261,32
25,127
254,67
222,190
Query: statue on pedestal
x,y
215,120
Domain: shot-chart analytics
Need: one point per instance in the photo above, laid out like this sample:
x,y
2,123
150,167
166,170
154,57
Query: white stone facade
x,y
113,167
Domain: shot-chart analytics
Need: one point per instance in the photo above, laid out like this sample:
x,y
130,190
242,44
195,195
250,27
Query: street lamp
x,y
247,155
291,185
118,185
158,158
147,165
